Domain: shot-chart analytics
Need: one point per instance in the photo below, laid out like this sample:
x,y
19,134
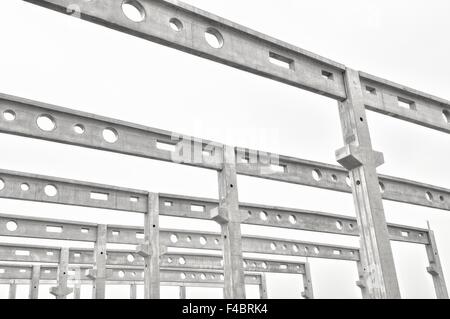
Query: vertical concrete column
x,y
34,284
435,268
61,291
77,284
361,283
133,291
182,292
229,217
380,278
263,287
12,290
150,249
98,273
307,283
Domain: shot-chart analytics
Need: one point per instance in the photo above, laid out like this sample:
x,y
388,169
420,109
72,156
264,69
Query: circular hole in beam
x,y
181,261
214,38
173,238
110,135
11,225
176,24
292,219
317,174
133,10
9,115
2,184
263,215
46,123
429,196
130,258
50,190
202,240
79,129
25,187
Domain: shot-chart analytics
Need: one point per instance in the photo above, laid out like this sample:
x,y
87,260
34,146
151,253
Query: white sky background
x,y
50,57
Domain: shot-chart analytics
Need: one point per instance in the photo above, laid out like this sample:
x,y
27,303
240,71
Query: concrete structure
x,y
20,274
264,56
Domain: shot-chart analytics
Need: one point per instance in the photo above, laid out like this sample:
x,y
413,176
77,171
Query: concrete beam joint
x,y
352,157
219,215
144,250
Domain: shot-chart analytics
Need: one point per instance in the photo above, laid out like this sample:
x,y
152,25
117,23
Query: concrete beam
x,y
143,142
187,239
79,193
379,95
238,46
126,258
124,275
379,276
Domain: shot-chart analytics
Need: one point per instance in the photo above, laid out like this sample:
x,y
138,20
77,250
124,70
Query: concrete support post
x,y
61,291
361,283
379,278
34,283
133,291
12,290
307,283
150,249
77,284
435,268
263,287
229,217
182,292
98,273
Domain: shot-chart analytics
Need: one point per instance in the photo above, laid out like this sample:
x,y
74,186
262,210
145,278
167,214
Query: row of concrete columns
x,y
34,288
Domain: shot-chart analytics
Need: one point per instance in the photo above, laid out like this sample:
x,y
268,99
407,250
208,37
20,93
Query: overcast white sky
x,y
57,59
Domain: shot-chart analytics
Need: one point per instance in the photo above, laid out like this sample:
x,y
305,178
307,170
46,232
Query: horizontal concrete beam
x,y
143,141
127,258
240,47
408,104
264,215
118,274
251,51
174,238
71,192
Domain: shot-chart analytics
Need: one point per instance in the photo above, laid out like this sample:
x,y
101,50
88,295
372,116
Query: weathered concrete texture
x,y
378,270
34,285
150,250
435,268
231,228
61,291
99,271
